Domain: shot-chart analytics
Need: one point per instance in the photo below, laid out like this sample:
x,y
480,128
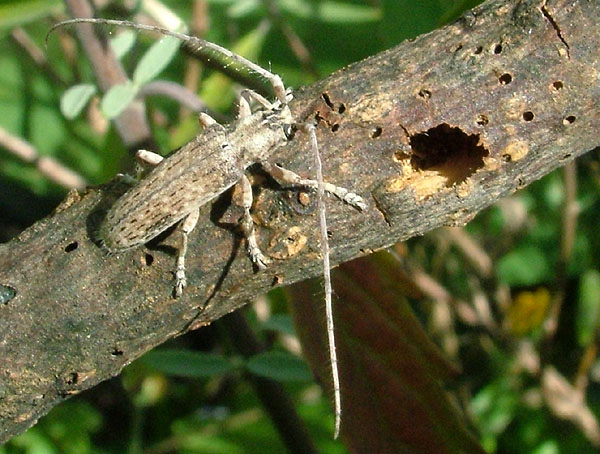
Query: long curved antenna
x,y
337,400
193,43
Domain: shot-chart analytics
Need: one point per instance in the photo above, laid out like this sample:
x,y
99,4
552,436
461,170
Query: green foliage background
x,y
173,400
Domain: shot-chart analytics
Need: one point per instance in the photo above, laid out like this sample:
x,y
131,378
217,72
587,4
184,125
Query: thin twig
x,y
472,250
569,227
24,41
176,92
193,68
294,41
48,166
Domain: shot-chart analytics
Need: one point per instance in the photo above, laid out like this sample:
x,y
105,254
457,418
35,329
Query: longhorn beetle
x,y
176,187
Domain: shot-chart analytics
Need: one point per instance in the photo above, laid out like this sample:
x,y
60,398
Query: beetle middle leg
x,y
146,161
247,225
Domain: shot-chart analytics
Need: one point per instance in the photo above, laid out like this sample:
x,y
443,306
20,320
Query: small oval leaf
x,y
242,8
75,99
344,13
123,42
279,366
155,59
333,12
117,99
524,266
184,363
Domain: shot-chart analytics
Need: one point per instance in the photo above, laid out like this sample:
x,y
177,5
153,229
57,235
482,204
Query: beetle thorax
x,y
262,133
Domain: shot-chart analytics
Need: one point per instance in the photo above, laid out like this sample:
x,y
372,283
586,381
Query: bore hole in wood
x,y
505,79
482,120
498,49
376,133
528,116
335,127
557,85
117,352
6,293
277,280
449,151
342,108
569,120
148,259
327,100
424,93
478,50
71,246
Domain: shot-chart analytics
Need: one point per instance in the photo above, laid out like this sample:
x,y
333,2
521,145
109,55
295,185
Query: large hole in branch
x,y
449,151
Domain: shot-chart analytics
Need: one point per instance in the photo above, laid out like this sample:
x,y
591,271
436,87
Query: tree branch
x,y
429,132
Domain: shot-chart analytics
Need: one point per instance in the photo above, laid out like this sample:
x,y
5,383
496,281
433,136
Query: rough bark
x,y
429,132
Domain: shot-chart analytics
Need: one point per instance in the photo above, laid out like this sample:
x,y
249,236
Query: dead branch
x,y
429,132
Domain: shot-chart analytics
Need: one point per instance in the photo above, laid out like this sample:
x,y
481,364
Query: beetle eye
x,y
289,131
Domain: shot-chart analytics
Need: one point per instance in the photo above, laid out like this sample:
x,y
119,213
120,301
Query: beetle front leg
x,y
287,176
247,224
146,161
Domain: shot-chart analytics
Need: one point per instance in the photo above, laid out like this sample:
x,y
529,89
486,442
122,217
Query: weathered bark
x,y
429,132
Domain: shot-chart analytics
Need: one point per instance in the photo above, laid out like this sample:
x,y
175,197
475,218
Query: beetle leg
x,y
247,224
186,226
288,177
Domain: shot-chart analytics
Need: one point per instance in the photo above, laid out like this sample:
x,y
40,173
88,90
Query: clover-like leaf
x,y
155,59
75,99
118,98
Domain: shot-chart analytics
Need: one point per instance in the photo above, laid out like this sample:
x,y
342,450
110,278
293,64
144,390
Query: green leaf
x,y
344,13
73,424
117,99
525,266
75,99
19,12
279,366
184,363
548,447
331,12
155,59
588,307
494,408
202,442
297,8
122,43
34,441
242,8
281,323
